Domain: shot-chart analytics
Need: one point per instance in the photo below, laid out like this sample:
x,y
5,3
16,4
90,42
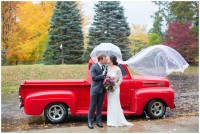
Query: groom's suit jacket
x,y
97,79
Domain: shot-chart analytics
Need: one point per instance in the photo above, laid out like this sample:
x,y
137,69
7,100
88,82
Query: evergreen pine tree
x,y
158,18
65,29
109,26
157,24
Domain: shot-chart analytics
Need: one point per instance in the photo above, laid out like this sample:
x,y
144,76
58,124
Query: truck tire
x,y
56,113
156,109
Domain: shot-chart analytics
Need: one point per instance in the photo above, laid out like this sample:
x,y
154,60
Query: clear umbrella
x,y
107,49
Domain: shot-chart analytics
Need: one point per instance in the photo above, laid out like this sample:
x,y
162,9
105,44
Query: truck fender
x,y
35,103
141,97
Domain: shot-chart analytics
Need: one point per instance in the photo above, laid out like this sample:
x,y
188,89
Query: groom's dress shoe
x,y
99,125
90,126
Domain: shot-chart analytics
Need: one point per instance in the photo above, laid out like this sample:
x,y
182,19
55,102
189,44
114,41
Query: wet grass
x,y
192,69
13,76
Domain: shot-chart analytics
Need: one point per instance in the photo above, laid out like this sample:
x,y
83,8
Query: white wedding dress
x,y
115,115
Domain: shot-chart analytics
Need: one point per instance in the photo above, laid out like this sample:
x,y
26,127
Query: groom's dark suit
x,y
96,93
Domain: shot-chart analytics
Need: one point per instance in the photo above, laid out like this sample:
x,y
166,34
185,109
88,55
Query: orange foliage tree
x,y
25,29
9,28
34,20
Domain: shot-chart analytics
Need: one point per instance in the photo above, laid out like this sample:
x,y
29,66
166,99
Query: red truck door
x,y
126,88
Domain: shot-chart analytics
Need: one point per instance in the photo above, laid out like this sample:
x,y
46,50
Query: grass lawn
x,y
12,76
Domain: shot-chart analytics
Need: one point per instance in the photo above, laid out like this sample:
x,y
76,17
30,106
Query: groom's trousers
x,y
96,103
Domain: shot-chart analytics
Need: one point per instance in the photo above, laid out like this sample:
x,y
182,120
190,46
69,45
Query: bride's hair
x,y
113,58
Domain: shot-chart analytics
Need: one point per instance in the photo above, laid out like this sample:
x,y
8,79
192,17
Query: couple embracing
x,y
98,71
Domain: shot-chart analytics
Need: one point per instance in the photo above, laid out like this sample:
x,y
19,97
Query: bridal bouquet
x,y
109,83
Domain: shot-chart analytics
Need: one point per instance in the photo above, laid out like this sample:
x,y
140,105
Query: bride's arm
x,y
119,73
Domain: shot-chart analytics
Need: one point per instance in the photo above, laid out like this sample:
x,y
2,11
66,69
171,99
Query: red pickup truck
x,y
56,98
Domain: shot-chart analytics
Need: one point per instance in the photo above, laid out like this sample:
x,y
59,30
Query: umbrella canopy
x,y
107,49
158,60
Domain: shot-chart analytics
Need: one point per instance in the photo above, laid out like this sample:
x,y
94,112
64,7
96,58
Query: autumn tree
x,y
138,38
181,38
26,37
65,29
109,25
9,27
34,29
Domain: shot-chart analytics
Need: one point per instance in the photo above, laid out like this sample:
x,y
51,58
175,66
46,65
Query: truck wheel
x,y
56,113
156,109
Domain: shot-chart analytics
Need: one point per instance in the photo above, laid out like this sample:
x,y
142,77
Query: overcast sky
x,y
137,12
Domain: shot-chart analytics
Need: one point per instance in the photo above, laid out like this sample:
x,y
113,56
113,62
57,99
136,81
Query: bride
x,y
115,115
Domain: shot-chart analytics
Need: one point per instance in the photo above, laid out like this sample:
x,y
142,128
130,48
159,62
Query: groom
x,y
97,92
